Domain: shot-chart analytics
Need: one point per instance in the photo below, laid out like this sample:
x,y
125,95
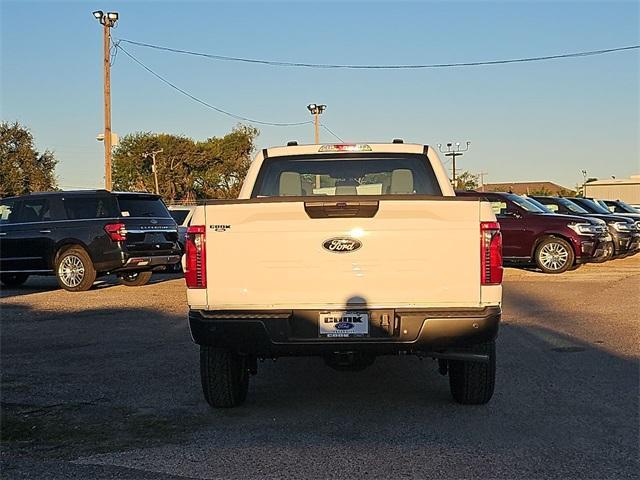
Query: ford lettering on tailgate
x,y
342,245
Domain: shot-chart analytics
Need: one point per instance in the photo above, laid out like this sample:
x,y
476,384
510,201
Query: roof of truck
x,y
359,147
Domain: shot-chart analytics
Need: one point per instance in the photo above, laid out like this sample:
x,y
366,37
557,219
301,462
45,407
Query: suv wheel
x,y
13,279
554,255
74,270
135,279
225,376
472,383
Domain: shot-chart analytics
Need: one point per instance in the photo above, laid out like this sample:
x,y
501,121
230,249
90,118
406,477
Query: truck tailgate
x,y
413,253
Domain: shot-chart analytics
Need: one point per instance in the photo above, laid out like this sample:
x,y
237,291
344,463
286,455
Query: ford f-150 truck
x,y
347,252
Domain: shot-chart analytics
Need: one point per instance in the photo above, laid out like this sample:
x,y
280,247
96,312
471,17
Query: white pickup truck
x,y
348,252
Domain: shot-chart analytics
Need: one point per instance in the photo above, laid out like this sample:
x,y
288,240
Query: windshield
x,y
623,206
538,204
526,204
346,174
571,206
132,206
591,206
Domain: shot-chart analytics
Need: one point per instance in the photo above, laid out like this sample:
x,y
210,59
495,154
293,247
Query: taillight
x,y
490,253
195,272
117,231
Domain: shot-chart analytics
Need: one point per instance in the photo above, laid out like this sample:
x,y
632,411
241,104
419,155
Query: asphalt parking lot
x,y
105,384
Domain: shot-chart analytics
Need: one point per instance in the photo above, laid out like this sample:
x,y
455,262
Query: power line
x,y
202,102
331,132
381,67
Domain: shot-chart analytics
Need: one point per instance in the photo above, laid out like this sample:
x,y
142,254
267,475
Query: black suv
x,y
80,235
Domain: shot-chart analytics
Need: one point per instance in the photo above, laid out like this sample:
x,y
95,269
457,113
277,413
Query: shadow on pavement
x,y
101,381
39,284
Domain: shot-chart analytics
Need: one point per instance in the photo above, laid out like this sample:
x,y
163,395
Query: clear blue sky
x,y
537,121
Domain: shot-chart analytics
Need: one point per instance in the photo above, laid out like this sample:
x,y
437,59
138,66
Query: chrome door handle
x,y
45,231
2,234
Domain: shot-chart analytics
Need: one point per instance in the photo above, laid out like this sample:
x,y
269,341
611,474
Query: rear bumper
x,y
295,332
145,263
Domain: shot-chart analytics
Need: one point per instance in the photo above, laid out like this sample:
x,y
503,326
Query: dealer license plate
x,y
343,324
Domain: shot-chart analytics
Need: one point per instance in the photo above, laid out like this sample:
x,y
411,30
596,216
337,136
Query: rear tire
x,y
74,270
12,280
554,255
224,375
135,279
473,383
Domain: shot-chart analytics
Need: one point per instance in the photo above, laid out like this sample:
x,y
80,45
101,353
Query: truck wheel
x,y
135,279
225,376
472,383
13,279
74,270
554,255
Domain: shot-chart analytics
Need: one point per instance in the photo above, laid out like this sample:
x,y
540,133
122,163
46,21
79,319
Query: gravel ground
x,y
104,384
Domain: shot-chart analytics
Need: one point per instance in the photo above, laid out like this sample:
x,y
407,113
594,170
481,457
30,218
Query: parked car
x,y
624,230
580,212
618,206
346,252
182,215
80,235
554,243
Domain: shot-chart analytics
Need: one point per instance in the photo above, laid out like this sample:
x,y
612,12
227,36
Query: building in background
x,y
529,188
625,189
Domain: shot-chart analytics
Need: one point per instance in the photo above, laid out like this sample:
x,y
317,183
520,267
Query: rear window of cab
x,y
346,174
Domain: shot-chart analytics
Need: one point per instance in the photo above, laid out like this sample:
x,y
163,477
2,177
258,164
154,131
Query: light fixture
x,y
98,14
112,16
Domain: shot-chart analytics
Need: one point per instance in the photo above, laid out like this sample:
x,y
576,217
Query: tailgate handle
x,y
342,209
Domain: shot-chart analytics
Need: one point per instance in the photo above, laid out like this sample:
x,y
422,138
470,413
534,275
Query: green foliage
x,y
186,168
466,181
22,168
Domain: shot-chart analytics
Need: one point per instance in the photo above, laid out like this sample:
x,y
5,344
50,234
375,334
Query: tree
x,y
22,168
213,168
466,181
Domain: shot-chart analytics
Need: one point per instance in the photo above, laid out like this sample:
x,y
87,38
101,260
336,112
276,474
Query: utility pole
x,y
107,20
316,111
153,166
481,175
453,151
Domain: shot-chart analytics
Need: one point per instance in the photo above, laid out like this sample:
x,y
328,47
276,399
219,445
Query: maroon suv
x,y
555,243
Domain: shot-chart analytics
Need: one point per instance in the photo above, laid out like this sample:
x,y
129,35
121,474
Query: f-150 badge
x,y
342,245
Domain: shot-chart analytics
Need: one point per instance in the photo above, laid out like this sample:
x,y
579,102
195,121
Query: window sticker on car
x,y
125,213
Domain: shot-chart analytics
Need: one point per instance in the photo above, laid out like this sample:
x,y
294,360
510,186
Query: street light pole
x,y
107,20
453,151
316,111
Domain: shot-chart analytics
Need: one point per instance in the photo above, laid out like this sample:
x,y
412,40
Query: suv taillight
x,y
195,272
490,253
117,231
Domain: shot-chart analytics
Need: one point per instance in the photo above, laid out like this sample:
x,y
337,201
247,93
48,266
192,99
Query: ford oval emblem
x,y
342,245
153,221
344,326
